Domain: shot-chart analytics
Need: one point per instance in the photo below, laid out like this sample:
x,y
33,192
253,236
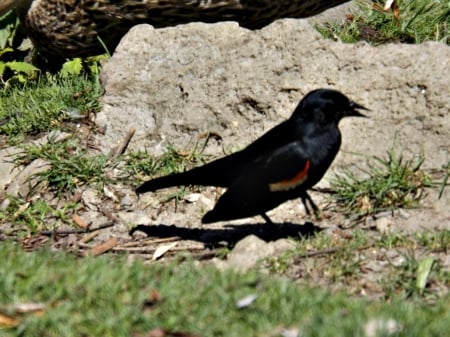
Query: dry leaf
x,y
102,248
8,322
161,250
110,194
388,4
396,10
350,17
193,197
21,209
76,218
155,295
246,301
89,237
392,4
24,308
156,333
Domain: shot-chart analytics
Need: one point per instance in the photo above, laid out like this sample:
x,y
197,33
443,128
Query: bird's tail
x,y
217,173
176,179
209,217
221,172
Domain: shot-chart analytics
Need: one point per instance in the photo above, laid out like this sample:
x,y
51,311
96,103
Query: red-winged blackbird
x,y
281,165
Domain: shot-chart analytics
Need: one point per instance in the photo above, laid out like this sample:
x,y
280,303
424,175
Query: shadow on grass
x,y
230,233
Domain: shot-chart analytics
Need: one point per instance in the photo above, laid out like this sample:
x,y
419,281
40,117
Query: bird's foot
x,y
267,219
306,199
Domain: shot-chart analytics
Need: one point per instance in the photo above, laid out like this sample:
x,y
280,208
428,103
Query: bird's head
x,y
326,106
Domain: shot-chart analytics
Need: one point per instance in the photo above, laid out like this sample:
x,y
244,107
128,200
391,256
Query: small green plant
x,y
411,278
16,50
393,240
38,215
71,165
435,241
444,180
338,251
16,72
13,48
89,66
388,183
410,21
143,164
44,105
33,101
411,263
9,30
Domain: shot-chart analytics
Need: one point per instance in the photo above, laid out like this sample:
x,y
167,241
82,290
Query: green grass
x,y
110,296
388,183
344,260
27,217
444,183
434,241
36,108
417,21
72,165
144,165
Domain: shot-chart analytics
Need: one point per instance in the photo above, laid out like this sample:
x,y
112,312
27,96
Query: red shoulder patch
x,y
293,182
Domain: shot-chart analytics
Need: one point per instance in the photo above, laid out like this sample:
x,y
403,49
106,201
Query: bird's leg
x,y
305,197
265,217
305,204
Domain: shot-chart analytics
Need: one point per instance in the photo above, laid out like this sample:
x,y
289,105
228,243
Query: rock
x,y
93,218
384,225
53,136
127,201
247,252
207,202
395,258
91,199
192,197
176,84
133,218
27,178
8,169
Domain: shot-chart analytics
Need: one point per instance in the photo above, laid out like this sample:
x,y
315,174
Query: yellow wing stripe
x,y
293,182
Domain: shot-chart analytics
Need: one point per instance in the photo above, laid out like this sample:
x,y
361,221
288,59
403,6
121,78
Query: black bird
x,y
281,165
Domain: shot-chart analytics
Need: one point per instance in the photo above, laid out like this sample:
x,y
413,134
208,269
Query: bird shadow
x,y
230,234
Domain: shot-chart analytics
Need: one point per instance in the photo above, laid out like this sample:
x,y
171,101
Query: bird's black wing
x,y
224,171
270,180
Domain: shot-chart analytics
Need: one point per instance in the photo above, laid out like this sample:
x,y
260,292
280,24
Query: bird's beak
x,y
353,110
